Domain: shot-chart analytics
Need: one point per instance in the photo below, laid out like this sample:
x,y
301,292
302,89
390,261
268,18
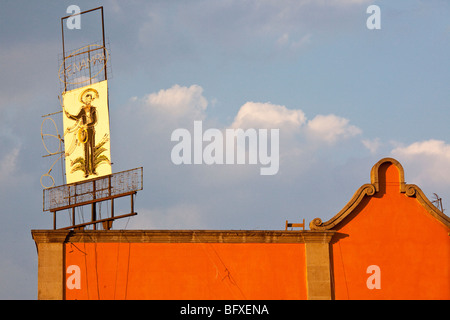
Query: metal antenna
x,y
438,202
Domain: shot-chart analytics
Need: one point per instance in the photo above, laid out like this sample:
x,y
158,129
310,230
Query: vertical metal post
x,y
89,61
112,208
64,54
54,220
94,208
104,44
73,216
112,202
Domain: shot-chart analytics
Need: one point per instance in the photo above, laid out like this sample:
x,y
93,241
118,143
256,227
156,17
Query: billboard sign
x,y
86,132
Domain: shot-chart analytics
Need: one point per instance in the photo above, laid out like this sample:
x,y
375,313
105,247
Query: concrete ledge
x,y
182,236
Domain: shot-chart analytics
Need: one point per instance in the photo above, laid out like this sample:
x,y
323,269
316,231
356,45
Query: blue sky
x,y
342,96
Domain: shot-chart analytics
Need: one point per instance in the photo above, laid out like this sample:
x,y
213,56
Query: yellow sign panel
x,y
86,132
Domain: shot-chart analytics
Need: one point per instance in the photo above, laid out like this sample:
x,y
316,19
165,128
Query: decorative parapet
x,y
411,190
364,190
369,190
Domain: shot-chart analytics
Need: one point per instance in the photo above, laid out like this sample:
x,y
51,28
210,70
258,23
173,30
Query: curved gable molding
x,y
414,191
369,190
358,196
374,173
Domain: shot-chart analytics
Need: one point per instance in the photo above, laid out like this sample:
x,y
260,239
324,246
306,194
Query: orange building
x,y
388,242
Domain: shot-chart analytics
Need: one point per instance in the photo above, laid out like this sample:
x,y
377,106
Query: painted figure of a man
x,y
87,118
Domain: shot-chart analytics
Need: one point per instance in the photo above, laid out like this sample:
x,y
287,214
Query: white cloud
x,y
268,115
430,147
241,26
372,145
428,163
179,101
179,106
302,41
330,128
151,119
8,166
151,123
285,40
156,114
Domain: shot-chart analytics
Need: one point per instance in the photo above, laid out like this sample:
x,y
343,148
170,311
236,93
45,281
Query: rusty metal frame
x,y
63,42
91,192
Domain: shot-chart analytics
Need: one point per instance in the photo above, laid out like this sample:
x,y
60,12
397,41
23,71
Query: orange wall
x,y
395,233
388,247
185,271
